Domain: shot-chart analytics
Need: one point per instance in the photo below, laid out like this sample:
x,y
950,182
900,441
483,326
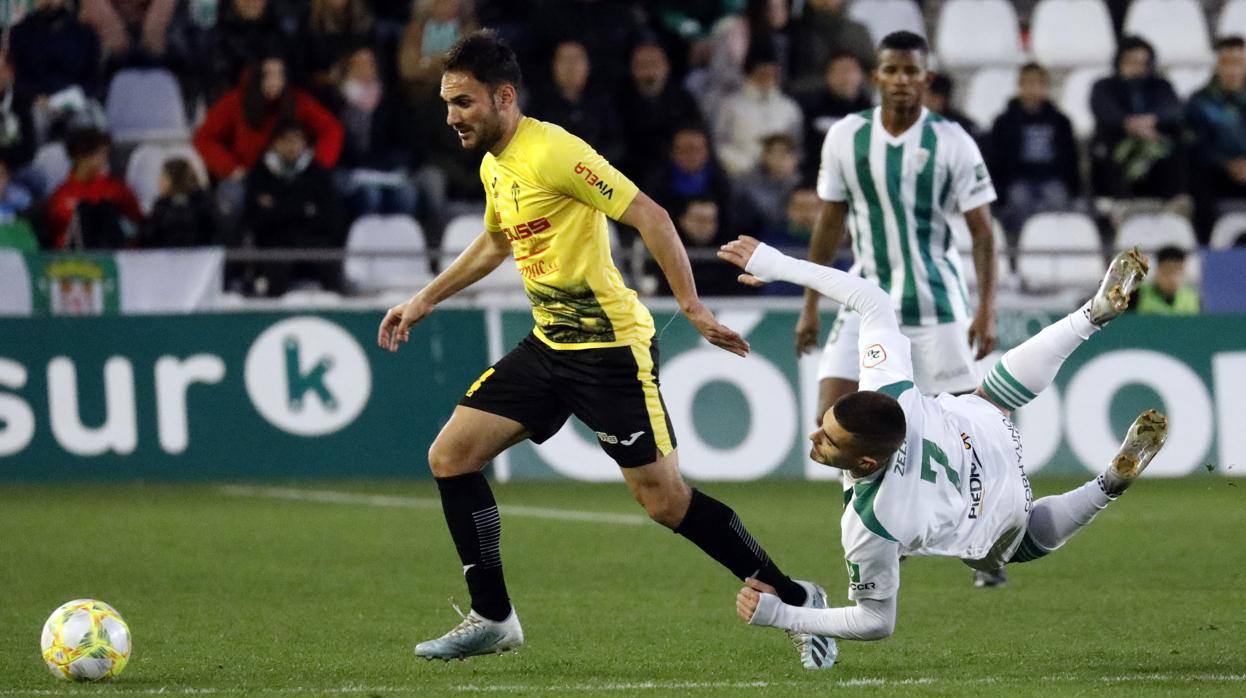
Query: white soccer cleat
x,y
475,635
1143,441
1124,275
816,651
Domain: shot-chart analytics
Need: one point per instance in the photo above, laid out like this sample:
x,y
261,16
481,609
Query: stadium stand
x,y
1177,29
976,33
397,233
1072,33
1039,269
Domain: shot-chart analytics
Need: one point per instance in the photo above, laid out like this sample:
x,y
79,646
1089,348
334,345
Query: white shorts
x,y
942,359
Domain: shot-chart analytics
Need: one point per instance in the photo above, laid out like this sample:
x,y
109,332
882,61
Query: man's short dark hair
x,y
904,41
1131,42
841,56
286,126
81,142
1170,254
761,51
942,85
875,421
1033,67
1233,41
782,139
487,58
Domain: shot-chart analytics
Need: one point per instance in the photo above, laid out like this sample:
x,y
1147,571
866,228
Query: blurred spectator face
x,y
1231,68
1170,275
445,10
902,79
250,10
336,6
290,145
49,5
272,79
829,7
765,76
93,164
690,150
802,208
1033,89
362,66
1135,63
779,159
776,14
700,222
844,77
570,67
650,69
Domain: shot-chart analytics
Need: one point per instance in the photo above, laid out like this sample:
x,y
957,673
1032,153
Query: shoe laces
x,y
467,625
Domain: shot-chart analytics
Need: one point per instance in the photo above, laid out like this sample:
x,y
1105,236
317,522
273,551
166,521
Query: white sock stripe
x,y
489,537
753,545
1004,391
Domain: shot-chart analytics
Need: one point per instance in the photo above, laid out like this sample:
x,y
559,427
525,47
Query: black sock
x,y
717,530
472,515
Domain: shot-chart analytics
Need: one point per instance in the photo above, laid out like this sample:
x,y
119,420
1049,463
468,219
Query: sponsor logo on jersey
x,y
612,439
873,355
977,490
594,181
523,231
861,587
538,269
979,172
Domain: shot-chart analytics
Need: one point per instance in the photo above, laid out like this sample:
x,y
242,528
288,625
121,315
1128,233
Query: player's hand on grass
x,y
396,327
715,332
739,252
982,334
807,327
749,597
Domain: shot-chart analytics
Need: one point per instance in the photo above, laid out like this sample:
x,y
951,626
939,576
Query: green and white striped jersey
x,y
900,191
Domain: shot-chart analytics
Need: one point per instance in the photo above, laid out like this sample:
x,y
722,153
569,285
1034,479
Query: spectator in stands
x,y
689,173
1216,116
376,151
130,31
435,26
764,192
239,126
607,29
92,208
843,92
335,28
291,203
768,21
589,114
687,28
939,100
245,31
15,202
699,227
51,51
803,206
652,107
755,111
723,72
1136,148
1167,292
822,31
184,215
17,127
1035,152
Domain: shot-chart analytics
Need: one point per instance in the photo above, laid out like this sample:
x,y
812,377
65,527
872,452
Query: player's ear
x,y
867,464
505,95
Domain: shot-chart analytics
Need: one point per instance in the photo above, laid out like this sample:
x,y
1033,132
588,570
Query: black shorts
x,y
614,391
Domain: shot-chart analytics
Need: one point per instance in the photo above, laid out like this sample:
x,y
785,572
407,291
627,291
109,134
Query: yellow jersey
x,y
550,193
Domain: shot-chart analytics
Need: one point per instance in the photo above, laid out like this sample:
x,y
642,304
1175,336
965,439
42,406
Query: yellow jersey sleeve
x,y
570,166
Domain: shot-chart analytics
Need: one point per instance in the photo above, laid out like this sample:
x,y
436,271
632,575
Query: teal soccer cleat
x,y
475,635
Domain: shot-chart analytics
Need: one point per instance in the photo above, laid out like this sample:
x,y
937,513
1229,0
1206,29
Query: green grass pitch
x,y
230,594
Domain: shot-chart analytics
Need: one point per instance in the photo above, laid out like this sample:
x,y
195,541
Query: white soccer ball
x,y
85,640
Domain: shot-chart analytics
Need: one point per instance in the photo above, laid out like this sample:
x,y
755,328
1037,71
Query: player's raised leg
x,y
1054,520
457,458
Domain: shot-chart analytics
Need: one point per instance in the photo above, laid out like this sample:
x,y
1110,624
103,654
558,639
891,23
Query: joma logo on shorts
x,y
594,181
612,439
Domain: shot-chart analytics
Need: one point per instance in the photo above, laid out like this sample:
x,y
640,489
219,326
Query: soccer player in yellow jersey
x,y
592,353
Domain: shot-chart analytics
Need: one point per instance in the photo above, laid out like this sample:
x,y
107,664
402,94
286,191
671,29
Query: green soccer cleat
x,y
475,635
1145,438
1125,274
816,651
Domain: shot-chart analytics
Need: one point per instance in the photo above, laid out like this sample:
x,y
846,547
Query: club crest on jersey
x,y
873,355
920,158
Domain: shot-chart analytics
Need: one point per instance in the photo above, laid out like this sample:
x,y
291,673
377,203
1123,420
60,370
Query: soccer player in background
x,y
938,476
894,175
592,352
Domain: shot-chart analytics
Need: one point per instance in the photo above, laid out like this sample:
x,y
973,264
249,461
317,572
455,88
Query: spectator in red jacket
x,y
92,208
239,126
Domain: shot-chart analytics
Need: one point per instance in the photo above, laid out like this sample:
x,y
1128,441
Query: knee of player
x,y
665,506
445,461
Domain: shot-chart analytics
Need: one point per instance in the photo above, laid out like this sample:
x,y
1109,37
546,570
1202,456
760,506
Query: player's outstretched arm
x,y
828,233
658,232
481,257
870,619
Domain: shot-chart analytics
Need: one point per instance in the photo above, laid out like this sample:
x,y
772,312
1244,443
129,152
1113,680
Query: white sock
x,y
1055,519
1027,369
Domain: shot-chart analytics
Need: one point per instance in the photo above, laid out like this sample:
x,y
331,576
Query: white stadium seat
x,y
974,33
988,93
458,235
1232,19
1073,232
142,171
1072,33
1227,230
378,273
883,17
1075,98
145,105
1187,81
1176,28
1151,231
52,164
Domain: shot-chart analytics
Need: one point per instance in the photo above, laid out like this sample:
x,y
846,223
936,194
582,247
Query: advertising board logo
x,y
308,376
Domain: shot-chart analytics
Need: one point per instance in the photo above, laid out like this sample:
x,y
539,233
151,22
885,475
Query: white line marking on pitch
x,y
385,500
648,685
